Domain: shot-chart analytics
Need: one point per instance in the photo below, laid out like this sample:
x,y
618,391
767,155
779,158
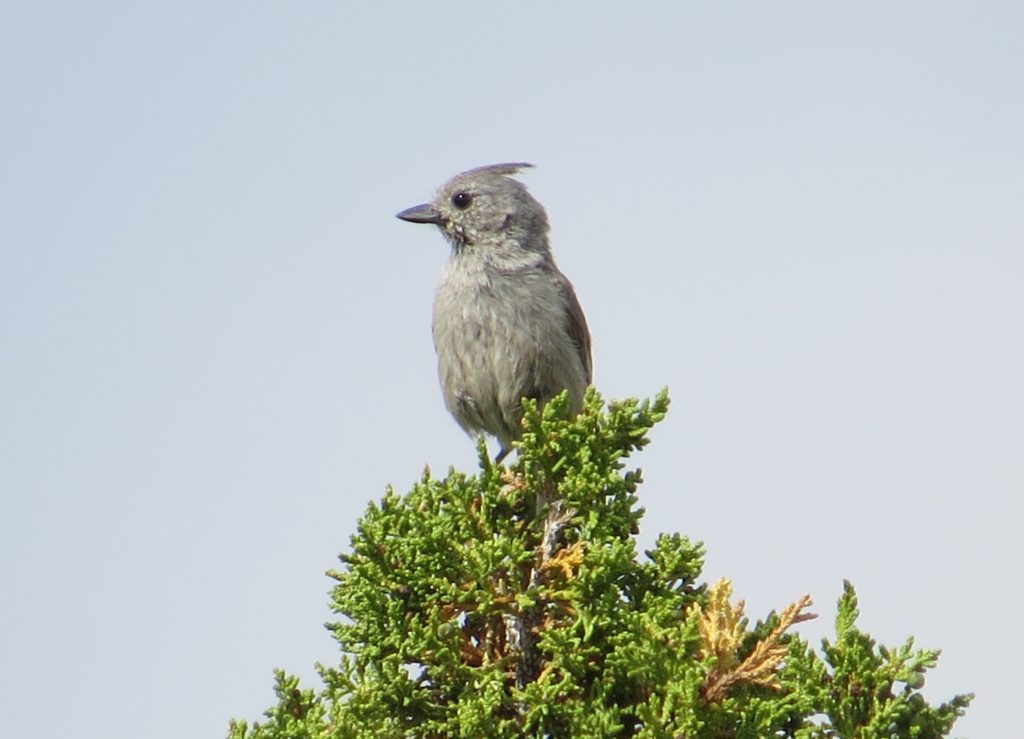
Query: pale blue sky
x,y
804,218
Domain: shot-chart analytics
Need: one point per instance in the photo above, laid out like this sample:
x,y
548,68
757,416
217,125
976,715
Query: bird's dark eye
x,y
462,200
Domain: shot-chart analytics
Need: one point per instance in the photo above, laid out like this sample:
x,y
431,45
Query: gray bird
x,y
507,324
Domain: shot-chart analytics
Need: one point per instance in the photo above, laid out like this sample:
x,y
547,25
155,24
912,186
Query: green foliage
x,y
856,685
513,603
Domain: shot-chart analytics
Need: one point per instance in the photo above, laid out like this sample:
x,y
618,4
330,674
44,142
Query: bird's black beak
x,y
421,214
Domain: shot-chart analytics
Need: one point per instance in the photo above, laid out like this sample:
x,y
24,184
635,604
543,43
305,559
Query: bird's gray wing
x,y
577,324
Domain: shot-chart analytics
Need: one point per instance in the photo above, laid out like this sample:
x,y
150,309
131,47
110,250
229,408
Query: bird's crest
x,y
505,168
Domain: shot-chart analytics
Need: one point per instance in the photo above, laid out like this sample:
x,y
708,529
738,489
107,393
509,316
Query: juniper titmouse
x,y
507,324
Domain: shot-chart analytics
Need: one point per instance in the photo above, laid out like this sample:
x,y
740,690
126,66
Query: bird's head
x,y
484,209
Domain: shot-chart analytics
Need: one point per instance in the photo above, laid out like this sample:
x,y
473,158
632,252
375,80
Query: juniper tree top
x,y
514,603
